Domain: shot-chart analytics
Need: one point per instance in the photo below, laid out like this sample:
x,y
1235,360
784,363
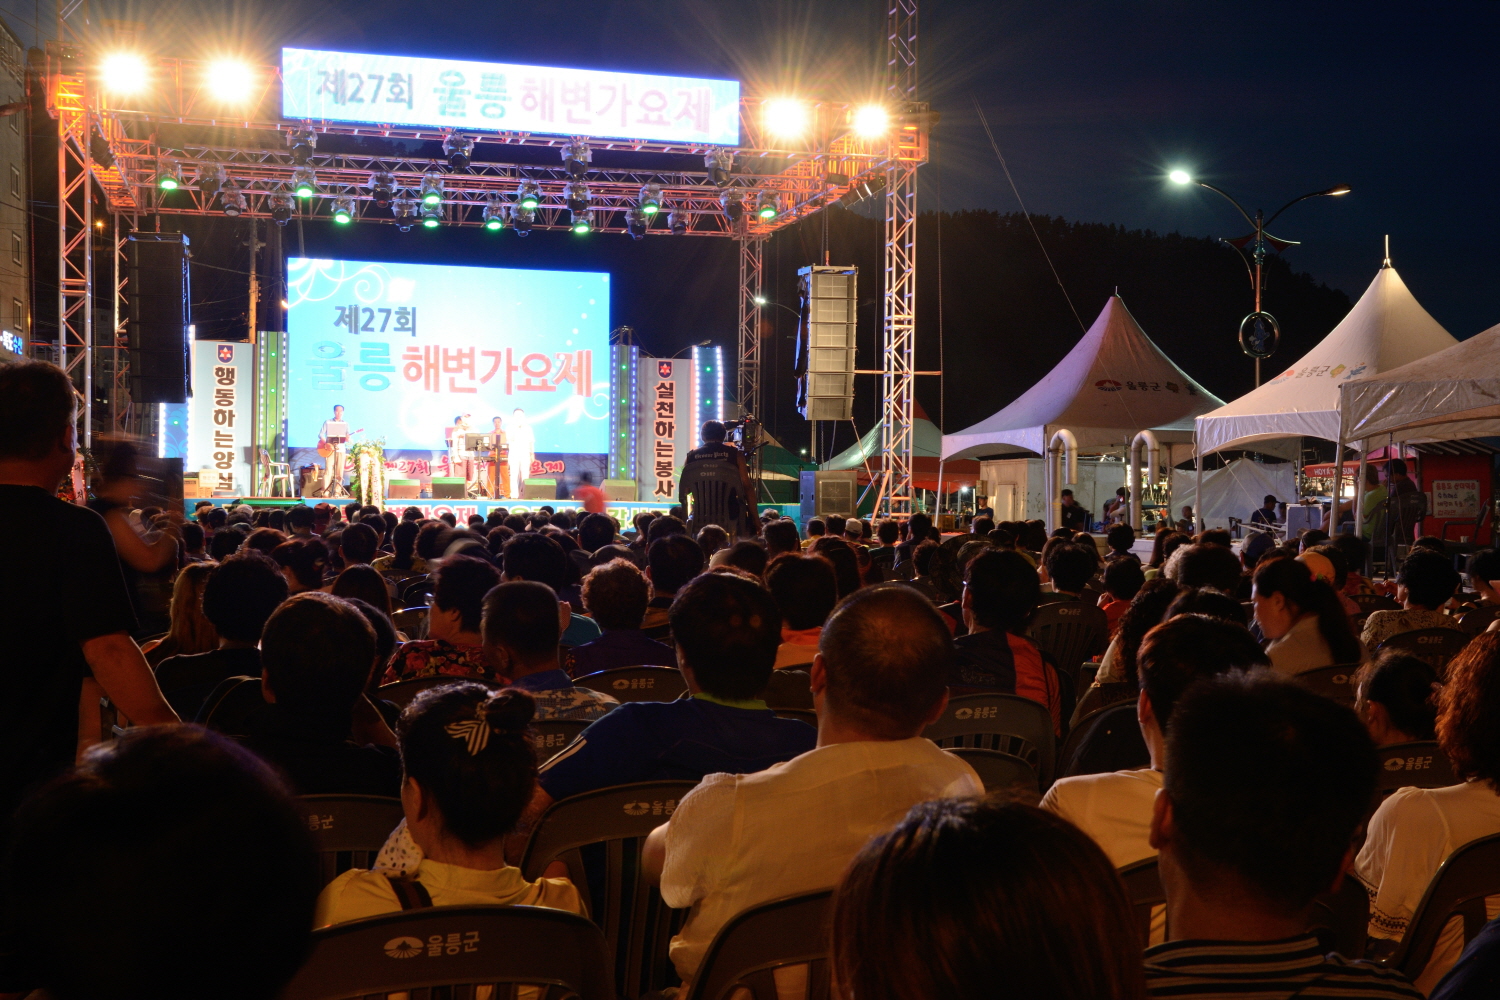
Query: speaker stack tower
x,y
157,287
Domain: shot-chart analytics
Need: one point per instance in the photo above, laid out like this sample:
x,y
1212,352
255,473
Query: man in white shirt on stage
x,y
335,433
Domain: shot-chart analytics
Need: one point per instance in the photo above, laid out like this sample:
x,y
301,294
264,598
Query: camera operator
x,y
716,449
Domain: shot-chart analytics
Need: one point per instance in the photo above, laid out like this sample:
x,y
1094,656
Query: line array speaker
x,y
157,289
825,342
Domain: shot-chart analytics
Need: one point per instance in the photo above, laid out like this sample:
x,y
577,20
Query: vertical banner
x,y
220,416
666,427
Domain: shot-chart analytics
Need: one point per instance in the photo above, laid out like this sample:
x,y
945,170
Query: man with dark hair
x,y
981,526
1121,538
1115,807
239,597
1074,517
534,556
453,647
738,840
1405,502
316,653
1266,512
1070,567
1483,572
360,544
1264,788
615,595
65,611
1123,579
1000,596
663,526
806,591
299,520
521,633
595,531
1205,565
740,504
1425,582
781,536
670,563
815,530
882,557
918,529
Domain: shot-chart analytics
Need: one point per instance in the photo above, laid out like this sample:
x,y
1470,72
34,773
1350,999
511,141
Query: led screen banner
x,y
484,96
407,349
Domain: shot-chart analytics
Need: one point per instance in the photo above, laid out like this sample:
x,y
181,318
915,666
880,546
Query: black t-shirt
x,y
319,762
63,588
188,678
1075,517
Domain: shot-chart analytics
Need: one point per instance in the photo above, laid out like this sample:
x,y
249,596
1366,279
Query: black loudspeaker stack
x,y
157,288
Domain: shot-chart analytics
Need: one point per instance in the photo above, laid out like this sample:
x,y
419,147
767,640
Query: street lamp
x,y
1259,331
761,300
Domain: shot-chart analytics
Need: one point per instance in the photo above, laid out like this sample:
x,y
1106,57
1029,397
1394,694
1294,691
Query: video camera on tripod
x,y
744,433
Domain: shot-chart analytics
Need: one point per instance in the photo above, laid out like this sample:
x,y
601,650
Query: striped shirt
x,y
1292,967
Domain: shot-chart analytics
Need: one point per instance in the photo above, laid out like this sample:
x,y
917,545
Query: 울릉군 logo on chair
x,y
403,947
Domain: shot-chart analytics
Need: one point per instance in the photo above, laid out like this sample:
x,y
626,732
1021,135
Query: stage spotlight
x,y
303,141
432,216
521,220
733,205
99,151
123,73
677,222
432,188
171,180
281,209
765,206
785,117
494,214
231,80
528,196
211,178
232,199
720,164
576,156
404,208
583,221
459,149
343,210
1180,177
871,121
304,182
382,188
651,199
636,223
578,197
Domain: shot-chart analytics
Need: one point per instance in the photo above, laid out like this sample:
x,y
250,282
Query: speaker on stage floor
x,y
157,288
620,489
448,489
403,489
539,489
825,493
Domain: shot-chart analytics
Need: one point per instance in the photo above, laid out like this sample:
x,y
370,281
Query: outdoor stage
x,y
622,511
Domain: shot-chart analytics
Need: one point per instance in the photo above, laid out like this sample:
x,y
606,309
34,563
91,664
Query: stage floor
x,y
621,510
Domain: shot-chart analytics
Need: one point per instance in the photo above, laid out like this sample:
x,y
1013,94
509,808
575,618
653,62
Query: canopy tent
x,y
1386,328
1236,490
1113,384
926,447
1452,394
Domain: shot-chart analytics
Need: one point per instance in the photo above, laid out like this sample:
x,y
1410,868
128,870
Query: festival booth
x,y
1386,328
1113,395
928,470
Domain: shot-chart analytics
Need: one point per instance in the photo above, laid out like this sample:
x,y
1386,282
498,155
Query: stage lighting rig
x,y
281,209
343,210
521,220
124,73
432,188
232,200
636,223
171,180
303,141
459,150
650,200
432,216
583,222
733,205
494,215
576,156
211,178
677,222
765,206
529,196
304,182
99,150
382,189
578,197
720,164
404,208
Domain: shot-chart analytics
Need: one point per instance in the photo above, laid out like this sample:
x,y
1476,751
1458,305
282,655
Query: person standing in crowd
x,y
1266,513
147,556
1185,523
1074,517
714,448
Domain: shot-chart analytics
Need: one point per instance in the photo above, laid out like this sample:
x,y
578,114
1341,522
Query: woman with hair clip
x,y
1397,699
1302,617
468,770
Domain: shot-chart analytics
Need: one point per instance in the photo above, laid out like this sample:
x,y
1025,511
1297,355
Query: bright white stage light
x,y
231,80
871,121
1180,177
123,73
785,117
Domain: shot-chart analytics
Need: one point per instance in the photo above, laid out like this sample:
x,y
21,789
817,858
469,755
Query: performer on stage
x,y
522,451
499,456
332,438
458,455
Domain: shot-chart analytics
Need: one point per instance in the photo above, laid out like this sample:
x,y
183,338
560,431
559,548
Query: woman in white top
x,y
1416,829
1302,617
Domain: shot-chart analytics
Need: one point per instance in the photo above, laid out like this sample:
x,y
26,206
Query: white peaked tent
x,y
1386,328
1445,396
1112,385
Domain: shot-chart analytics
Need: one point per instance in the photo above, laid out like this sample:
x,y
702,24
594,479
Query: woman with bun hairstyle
x,y
468,770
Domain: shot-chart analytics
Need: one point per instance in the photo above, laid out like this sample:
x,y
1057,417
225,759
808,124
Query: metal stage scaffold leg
x,y
751,282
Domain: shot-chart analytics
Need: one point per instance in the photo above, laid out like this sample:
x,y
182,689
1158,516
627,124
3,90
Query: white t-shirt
x,y
1114,809
737,841
1410,836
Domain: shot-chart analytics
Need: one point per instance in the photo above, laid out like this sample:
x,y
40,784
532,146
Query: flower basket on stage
x,y
370,476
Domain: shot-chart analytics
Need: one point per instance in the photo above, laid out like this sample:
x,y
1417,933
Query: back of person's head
x,y
885,652
1216,536
1310,538
1070,566
1397,467
562,519
533,556
431,537
1405,687
460,584
385,636
748,556
1207,601
316,653
663,526
264,540
364,582
515,522
411,514
36,410
922,556
1188,648
1468,722
835,523
1121,537
1033,536
1306,595
1354,550
1256,545
920,525
304,558
218,517
1429,578
1267,782
225,544
191,631
466,746
727,630
521,617
241,595
609,553
982,898
496,538
1003,590
713,431
595,531
1483,565
1124,578
845,563
1168,542
616,594
1147,610
192,536
1336,570
816,527
805,590
1205,565
781,536
1432,542
982,525
203,840
887,531
300,516
361,543
712,538
403,543
673,560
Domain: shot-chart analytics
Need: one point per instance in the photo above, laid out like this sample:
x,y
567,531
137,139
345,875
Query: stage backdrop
x,y
405,348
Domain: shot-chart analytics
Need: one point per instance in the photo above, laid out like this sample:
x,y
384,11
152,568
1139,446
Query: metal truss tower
x,y
748,370
75,240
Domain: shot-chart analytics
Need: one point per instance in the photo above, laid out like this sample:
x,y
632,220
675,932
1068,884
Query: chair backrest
x,y
789,689
414,591
999,771
1476,621
746,953
999,722
1422,765
553,735
457,947
1433,646
1458,889
636,683
1109,740
1374,602
410,620
1335,682
401,693
1070,632
1142,881
231,707
711,492
599,836
349,830
800,714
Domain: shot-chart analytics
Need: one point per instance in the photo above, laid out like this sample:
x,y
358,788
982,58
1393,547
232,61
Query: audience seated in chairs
x,y
1123,579
1265,786
536,557
1397,699
1205,564
191,631
983,899
845,562
364,582
1302,617
238,599
739,840
806,591
1416,829
318,727
1147,609
303,561
1483,573
403,560
521,628
1000,597
1069,567
781,537
468,770
670,563
615,595
198,842
454,647
361,544
1115,808
749,557
1425,582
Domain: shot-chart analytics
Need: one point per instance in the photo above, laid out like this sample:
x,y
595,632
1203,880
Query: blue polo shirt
x,y
675,740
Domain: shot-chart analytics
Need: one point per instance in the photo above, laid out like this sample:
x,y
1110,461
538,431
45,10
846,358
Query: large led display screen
x,y
406,349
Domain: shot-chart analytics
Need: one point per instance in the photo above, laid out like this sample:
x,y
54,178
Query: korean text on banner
x,y
219,416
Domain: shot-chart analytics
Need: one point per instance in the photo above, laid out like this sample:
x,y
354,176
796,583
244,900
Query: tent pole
x,y
1198,523
1338,483
939,501
1359,489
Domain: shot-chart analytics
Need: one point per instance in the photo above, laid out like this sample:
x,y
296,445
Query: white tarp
x,y
1112,385
1386,328
1445,396
1236,490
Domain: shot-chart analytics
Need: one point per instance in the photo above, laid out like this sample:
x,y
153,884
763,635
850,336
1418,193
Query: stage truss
x,y
177,126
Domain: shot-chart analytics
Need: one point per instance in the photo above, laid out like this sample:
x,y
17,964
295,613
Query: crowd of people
x,y
173,855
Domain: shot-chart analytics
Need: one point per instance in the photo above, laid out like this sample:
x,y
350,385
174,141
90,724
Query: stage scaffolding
x,y
175,125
